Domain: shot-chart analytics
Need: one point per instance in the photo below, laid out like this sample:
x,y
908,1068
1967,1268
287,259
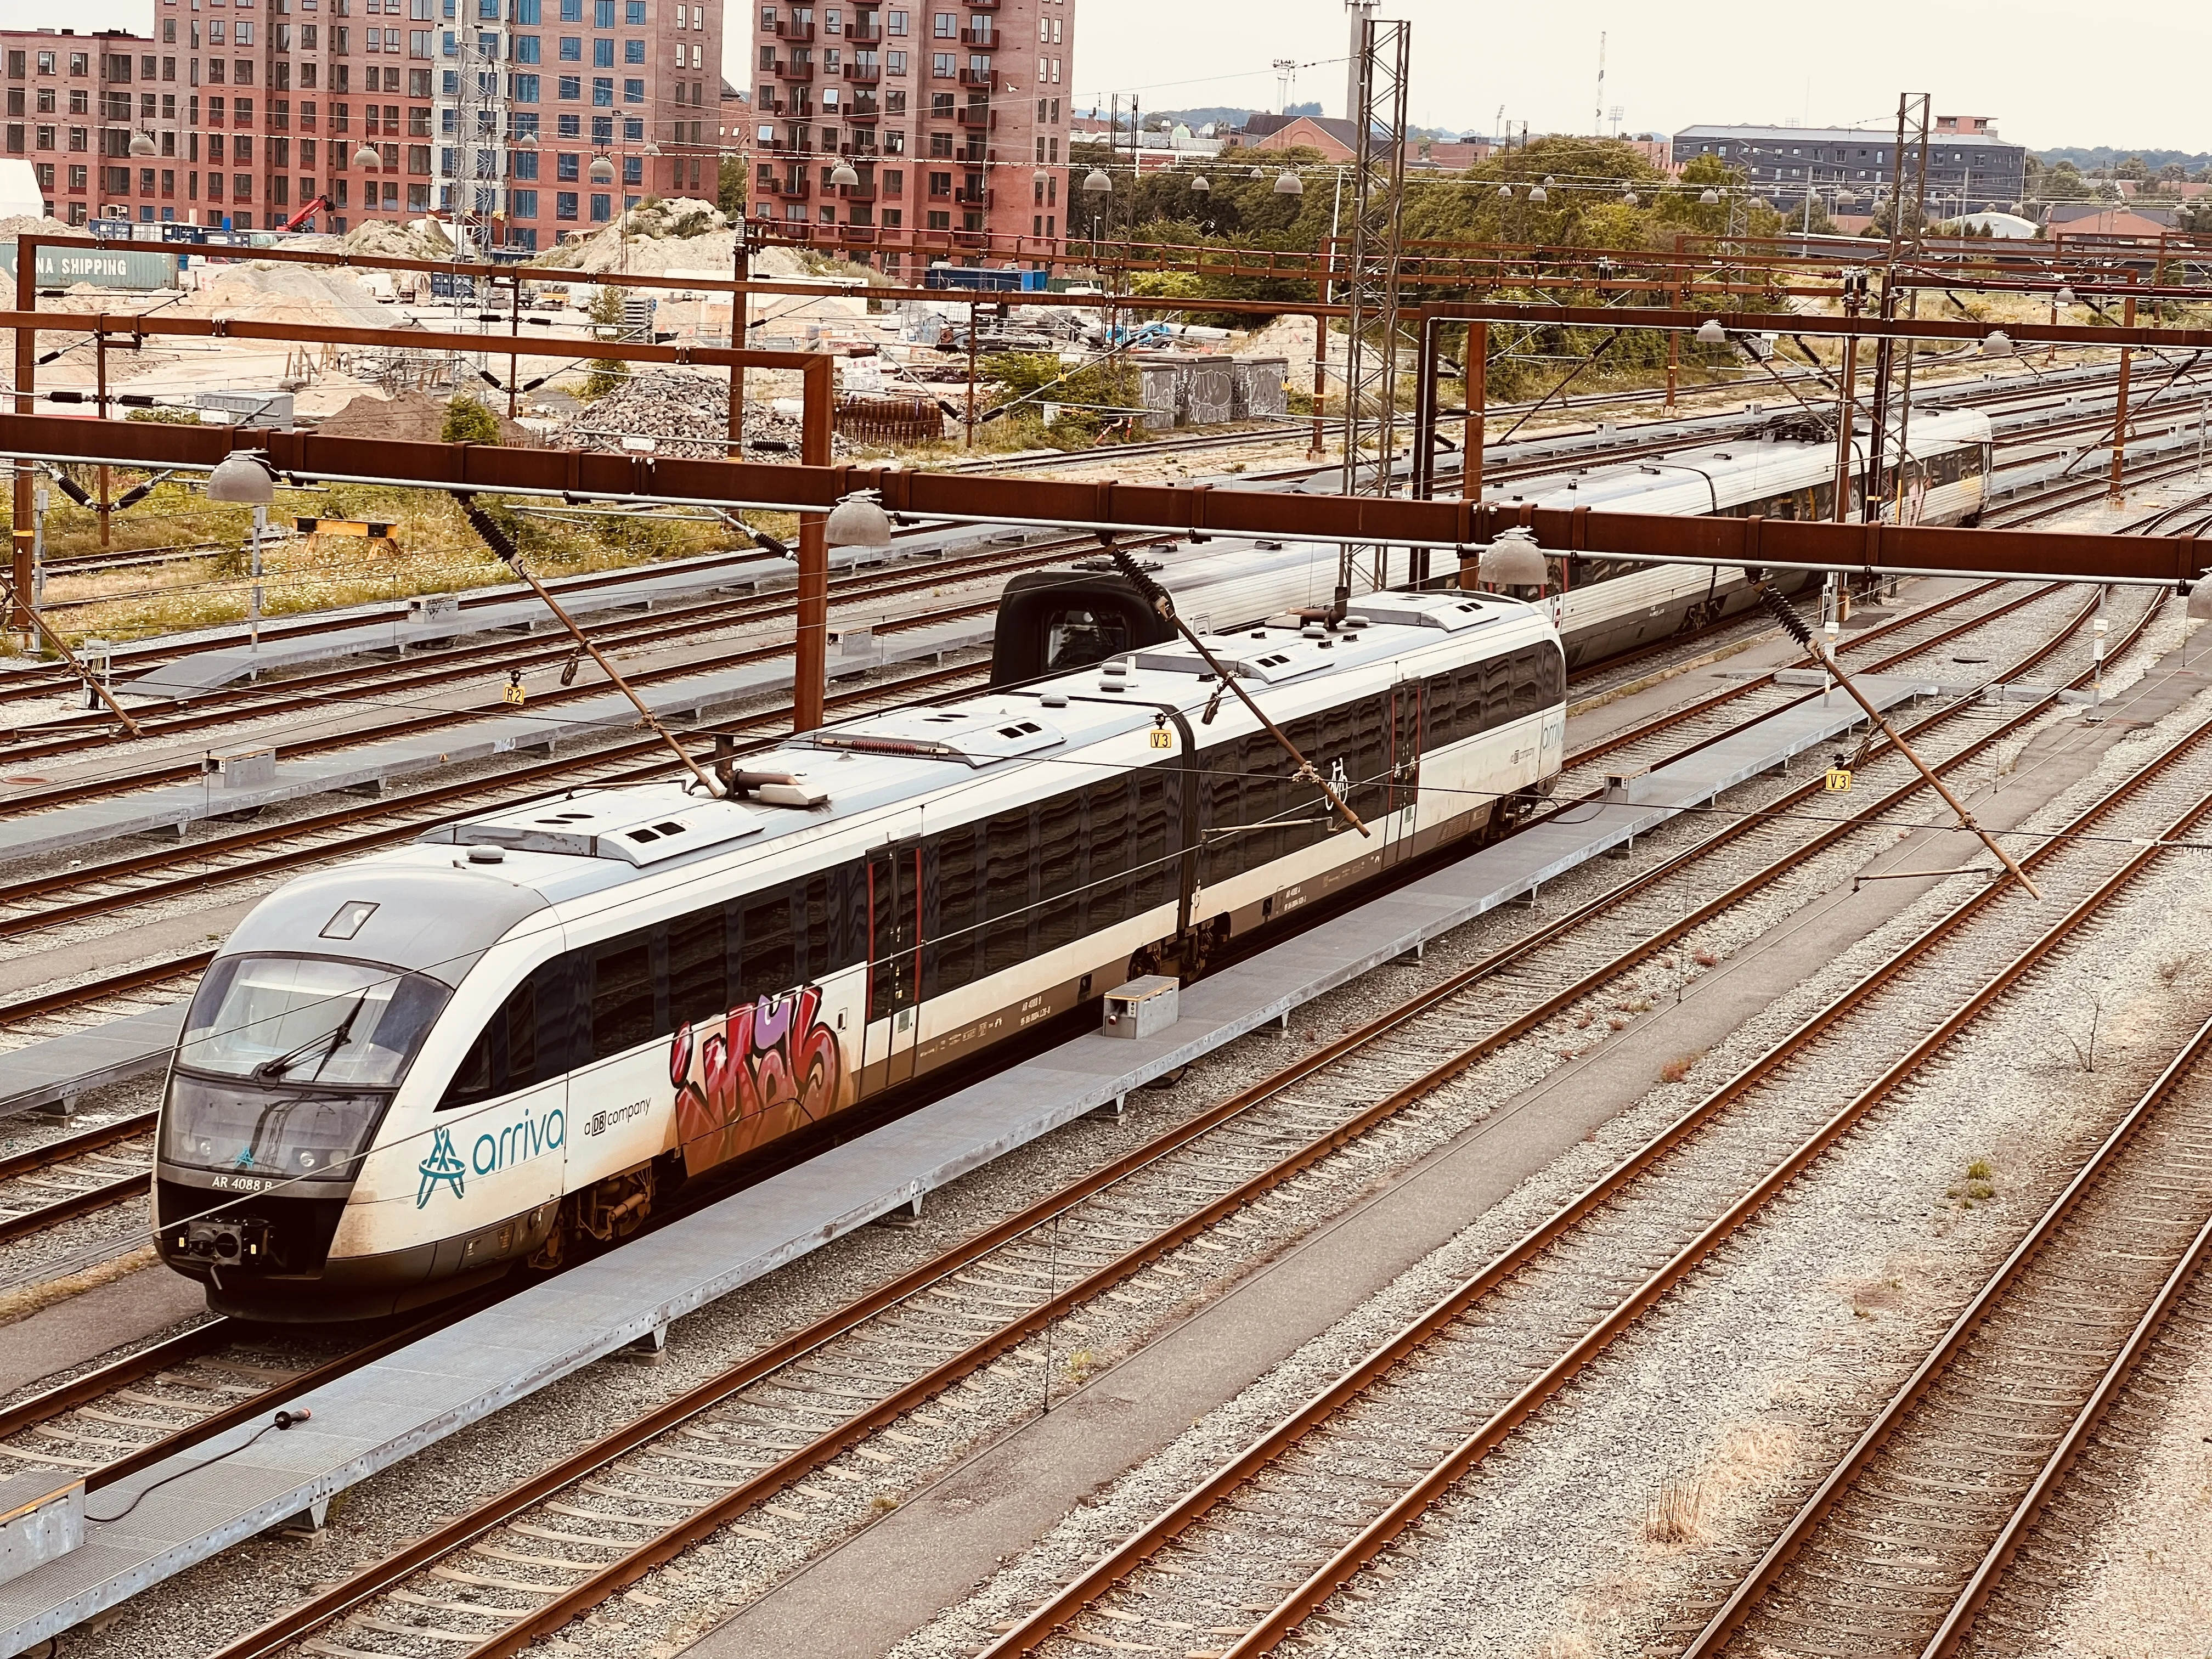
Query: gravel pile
x,y
407,417
687,416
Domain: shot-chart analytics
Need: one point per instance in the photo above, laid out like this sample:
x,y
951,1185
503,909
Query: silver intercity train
x,y
406,1075
1049,620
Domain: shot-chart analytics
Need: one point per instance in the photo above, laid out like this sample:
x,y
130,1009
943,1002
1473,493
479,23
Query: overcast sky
x,y
2050,74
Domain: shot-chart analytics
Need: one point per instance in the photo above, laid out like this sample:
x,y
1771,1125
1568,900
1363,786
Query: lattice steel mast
x,y
1892,361
1368,284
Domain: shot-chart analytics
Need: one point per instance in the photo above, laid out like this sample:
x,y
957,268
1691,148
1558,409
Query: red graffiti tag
x,y
771,1066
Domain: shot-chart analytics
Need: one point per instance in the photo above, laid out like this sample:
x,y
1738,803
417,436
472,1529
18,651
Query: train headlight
x,y
308,1160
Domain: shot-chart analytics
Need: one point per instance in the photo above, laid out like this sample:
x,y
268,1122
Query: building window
x,y
564,204
603,54
634,14
633,169
943,66
603,14
603,206
526,48
632,92
572,88
570,126
602,91
633,51
571,48
523,203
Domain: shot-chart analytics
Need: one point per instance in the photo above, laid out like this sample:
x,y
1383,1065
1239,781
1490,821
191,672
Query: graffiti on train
x,y
757,1072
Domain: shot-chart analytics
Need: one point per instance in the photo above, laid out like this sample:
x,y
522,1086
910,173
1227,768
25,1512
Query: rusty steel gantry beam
x,y
1194,511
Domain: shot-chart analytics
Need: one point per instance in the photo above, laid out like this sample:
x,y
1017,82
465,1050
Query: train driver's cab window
x,y
1077,638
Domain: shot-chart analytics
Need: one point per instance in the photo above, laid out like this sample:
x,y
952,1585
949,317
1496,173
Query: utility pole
x,y
1599,128
1362,14
1285,69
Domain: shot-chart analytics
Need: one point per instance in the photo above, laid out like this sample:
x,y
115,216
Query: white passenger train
x,y
403,1076
1049,620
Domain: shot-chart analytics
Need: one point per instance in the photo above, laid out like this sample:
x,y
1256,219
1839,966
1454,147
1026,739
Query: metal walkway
x,y
227,1489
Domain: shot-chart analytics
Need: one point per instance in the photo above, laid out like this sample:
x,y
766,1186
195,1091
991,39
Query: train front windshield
x,y
287,1064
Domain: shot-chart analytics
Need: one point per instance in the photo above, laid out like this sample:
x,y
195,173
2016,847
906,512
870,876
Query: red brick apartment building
x,y
950,118
255,109
73,102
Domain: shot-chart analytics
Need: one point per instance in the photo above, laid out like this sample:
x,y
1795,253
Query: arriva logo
x,y
443,1166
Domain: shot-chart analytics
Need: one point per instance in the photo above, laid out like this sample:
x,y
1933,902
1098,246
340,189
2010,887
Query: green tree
x,y
468,421
2134,168
730,188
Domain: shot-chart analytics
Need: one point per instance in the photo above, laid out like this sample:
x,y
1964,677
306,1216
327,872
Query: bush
x,y
468,421
606,373
166,417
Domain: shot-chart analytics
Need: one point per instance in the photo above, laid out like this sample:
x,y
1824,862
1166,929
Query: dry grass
x,y
22,1303
1678,1068
1675,1514
432,551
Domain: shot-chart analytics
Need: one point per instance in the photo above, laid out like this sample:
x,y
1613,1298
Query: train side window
x,y
1106,862
948,961
698,967
1266,778
622,995
1221,813
1441,694
504,1055
766,963
520,1019
1007,866
1154,843
1060,870
472,1080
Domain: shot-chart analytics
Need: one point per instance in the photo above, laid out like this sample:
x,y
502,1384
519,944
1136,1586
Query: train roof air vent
x,y
974,736
646,825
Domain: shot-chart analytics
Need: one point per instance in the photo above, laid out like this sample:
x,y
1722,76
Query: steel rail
x,y
75,1146
105,1196
159,972
1060,1609
1657,723
70,734
566,1605
1751,1591
95,788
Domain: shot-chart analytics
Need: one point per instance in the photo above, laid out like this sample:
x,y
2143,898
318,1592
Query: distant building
x,y
1336,139
954,122
1969,169
2097,219
73,101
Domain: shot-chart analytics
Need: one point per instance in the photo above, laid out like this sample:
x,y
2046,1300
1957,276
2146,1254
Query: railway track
x,y
745,1438
1326,1491
1900,1547
429,672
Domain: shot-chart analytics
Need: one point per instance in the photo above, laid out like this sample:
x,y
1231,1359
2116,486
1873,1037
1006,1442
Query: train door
x,y
894,965
1401,795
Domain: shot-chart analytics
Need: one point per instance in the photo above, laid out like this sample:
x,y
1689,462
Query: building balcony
x,y
787,30
982,5
983,40
864,108
982,121
985,78
788,70
791,189
856,233
864,192
865,34
975,198
868,149
863,75
971,238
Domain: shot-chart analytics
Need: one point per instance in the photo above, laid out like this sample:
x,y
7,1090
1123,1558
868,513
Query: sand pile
x,y
425,239
408,418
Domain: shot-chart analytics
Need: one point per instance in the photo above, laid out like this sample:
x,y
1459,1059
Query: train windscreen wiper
x,y
330,1042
